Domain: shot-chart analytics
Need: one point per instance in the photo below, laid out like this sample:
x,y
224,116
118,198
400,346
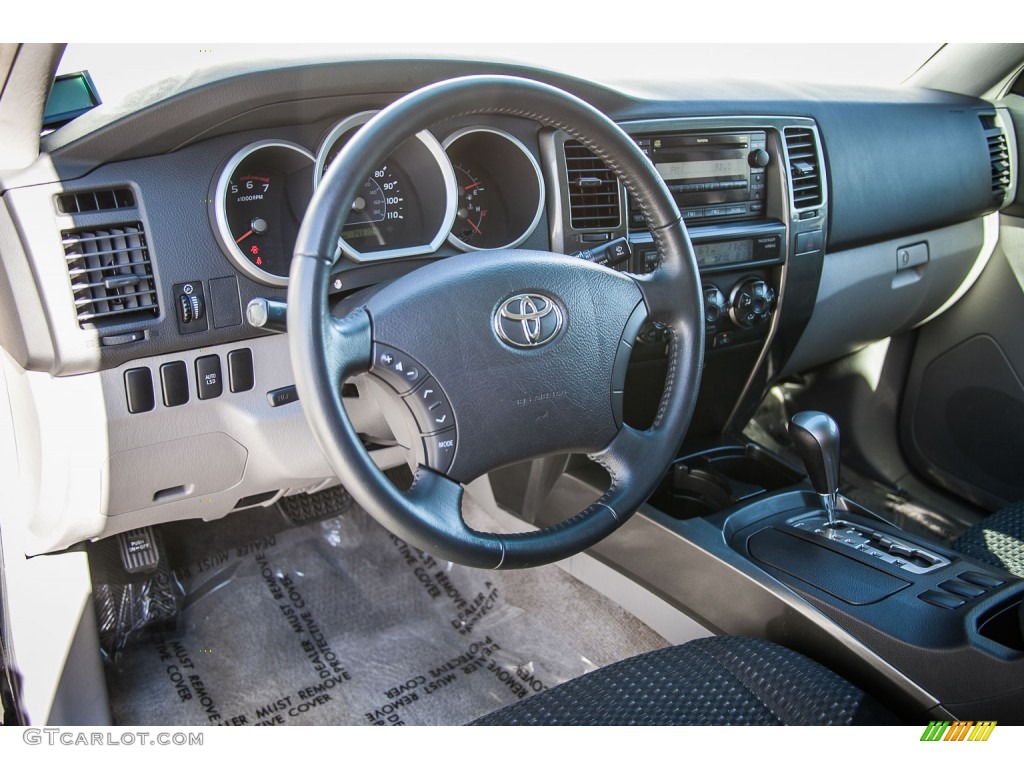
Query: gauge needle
x,y
472,185
474,226
243,237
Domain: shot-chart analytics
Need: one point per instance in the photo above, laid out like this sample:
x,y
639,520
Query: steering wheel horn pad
x,y
512,403
502,356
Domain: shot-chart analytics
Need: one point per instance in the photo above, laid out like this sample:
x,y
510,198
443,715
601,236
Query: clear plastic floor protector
x,y
341,623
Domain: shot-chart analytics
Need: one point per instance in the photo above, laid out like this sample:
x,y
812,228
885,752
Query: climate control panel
x,y
737,309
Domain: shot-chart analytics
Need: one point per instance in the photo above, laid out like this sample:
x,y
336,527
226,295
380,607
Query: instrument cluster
x,y
478,189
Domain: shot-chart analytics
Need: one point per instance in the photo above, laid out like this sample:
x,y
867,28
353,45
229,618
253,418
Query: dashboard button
x,y
808,242
981,579
941,599
174,383
282,396
208,377
440,450
961,588
138,387
241,377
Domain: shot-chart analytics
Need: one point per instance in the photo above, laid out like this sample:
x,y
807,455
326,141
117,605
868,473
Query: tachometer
x,y
500,189
260,197
405,207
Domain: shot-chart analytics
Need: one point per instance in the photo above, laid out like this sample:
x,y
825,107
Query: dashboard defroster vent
x,y
594,200
111,275
804,167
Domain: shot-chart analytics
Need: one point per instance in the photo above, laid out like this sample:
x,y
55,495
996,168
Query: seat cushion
x,y
998,540
713,681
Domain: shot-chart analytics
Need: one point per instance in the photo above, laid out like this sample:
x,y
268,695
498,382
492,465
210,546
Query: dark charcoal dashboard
x,y
134,247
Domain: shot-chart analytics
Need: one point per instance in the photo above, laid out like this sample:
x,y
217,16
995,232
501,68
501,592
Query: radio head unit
x,y
710,175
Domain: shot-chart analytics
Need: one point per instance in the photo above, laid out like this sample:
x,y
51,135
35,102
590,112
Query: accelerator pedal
x,y
305,508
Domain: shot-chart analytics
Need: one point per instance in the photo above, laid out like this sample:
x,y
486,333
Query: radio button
x,y
693,213
732,210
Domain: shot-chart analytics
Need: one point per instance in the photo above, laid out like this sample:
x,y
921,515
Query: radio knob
x,y
759,158
751,303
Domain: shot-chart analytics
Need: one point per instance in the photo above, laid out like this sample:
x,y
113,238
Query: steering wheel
x,y
501,356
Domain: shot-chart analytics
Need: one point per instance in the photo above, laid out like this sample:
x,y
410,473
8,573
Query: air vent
x,y
111,275
999,154
97,200
594,201
804,169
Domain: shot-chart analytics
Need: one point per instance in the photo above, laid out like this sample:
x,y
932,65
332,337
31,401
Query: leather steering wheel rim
x,y
603,311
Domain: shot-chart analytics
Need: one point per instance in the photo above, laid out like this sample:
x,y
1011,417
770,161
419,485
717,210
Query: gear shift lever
x,y
816,436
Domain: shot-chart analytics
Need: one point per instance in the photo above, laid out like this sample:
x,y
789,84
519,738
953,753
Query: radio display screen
x,y
701,169
719,254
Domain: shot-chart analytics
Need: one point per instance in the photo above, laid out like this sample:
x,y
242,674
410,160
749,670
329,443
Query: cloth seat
x,y
712,681
998,540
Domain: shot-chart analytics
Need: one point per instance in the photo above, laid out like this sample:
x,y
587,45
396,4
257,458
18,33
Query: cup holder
x,y
716,479
1005,625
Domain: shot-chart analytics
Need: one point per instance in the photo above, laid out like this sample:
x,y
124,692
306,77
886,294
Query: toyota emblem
x,y
527,320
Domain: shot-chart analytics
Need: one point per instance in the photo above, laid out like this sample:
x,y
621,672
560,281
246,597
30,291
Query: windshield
x,y
119,70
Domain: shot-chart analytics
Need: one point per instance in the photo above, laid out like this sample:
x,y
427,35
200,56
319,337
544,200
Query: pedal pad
x,y
305,508
139,552
135,592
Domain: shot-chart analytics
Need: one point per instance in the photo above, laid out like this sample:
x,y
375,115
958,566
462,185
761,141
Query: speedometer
x,y
405,207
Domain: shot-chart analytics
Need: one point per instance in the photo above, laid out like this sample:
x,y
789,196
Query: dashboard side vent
x,y
111,275
804,167
96,200
594,201
999,156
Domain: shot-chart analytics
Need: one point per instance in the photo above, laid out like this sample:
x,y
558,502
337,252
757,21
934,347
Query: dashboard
x,y
140,240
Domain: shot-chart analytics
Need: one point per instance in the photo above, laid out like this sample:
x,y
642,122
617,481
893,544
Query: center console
x,y
926,630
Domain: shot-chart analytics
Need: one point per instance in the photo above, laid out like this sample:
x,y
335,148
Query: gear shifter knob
x,y
816,436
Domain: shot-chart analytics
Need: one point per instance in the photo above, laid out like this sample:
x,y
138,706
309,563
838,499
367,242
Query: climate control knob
x,y
715,305
752,302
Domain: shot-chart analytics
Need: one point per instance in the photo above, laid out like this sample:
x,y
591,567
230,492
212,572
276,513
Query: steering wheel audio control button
x,y
430,407
398,369
440,450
